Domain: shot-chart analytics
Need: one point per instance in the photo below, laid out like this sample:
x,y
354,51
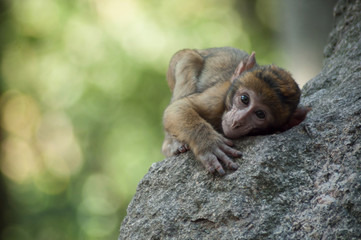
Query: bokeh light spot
x,y
37,17
98,197
50,184
20,114
61,151
19,161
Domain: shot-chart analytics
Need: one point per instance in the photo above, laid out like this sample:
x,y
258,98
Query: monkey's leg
x,y
171,146
182,74
184,68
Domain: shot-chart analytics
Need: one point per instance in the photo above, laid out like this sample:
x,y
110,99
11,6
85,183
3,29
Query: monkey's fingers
x,y
212,164
231,151
226,160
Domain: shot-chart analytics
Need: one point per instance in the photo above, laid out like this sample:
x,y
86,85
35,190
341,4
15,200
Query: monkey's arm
x,y
187,120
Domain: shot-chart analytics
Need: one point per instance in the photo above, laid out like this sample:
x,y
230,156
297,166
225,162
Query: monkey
x,y
219,94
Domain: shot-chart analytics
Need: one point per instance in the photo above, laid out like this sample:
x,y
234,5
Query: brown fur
x,y
203,83
277,89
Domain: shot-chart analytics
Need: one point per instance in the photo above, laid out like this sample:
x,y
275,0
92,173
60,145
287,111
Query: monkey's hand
x,y
185,120
215,153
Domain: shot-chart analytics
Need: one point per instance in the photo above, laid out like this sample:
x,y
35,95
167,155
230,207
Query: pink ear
x,y
298,116
243,66
251,61
240,68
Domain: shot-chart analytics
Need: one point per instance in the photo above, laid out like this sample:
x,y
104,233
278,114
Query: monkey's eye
x,y
261,114
245,99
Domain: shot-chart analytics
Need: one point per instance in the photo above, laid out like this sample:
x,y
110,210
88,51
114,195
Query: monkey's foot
x,y
182,149
172,147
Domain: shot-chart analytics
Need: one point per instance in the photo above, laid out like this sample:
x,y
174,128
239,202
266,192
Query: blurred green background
x,y
83,90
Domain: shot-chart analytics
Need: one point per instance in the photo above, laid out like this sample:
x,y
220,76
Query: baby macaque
x,y
221,94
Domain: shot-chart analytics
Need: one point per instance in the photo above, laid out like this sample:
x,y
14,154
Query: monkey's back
x,y
219,65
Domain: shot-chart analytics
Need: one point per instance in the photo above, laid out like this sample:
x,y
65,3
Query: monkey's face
x,y
247,115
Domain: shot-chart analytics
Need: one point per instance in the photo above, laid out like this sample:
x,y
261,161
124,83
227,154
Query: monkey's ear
x,y
297,117
244,65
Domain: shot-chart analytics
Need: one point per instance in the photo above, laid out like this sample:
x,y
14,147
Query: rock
x,y
304,183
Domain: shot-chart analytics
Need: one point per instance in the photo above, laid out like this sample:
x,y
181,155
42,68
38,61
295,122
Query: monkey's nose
x,y
235,125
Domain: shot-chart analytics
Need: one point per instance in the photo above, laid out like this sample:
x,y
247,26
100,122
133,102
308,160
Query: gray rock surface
x,y
301,184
